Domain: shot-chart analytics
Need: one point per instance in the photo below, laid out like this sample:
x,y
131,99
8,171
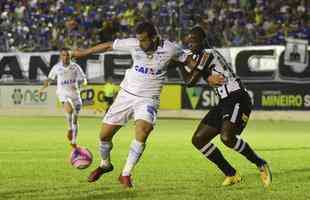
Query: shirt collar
x,y
70,63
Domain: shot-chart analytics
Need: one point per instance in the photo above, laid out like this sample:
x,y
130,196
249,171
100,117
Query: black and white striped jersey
x,y
217,64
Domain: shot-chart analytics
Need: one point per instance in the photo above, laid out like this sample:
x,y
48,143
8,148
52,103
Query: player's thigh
x,y
146,109
207,129
107,131
68,108
71,104
143,129
204,133
121,110
236,115
213,118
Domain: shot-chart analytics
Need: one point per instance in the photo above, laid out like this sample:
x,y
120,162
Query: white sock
x,y
105,149
135,152
75,128
69,120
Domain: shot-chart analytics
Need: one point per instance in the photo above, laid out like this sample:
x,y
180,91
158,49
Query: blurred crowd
x,y
43,25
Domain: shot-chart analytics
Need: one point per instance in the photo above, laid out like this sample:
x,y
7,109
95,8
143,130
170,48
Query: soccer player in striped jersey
x,y
229,118
69,77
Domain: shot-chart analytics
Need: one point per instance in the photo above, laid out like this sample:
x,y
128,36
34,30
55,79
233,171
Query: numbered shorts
x,y
236,108
127,106
75,102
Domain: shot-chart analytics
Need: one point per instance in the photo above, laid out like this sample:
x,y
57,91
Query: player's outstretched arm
x,y
100,48
45,85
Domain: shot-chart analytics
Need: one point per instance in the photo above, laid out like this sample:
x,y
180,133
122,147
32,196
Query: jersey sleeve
x,y
125,44
80,74
179,54
52,74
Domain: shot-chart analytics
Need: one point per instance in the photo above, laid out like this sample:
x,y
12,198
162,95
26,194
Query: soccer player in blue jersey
x,y
69,77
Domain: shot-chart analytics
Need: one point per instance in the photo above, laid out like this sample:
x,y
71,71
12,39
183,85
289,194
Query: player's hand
x,y
41,92
216,80
82,83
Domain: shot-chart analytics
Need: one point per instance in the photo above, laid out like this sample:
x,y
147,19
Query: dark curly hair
x,y
147,27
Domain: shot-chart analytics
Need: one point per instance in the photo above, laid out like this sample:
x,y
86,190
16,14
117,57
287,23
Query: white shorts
x,y
127,106
75,102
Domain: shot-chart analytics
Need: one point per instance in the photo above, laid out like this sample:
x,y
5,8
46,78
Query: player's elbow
x,y
191,81
189,84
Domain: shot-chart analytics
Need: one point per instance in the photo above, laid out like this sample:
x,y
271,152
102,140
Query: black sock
x,y
214,155
244,148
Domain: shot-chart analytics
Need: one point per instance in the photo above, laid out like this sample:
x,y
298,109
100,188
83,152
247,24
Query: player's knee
x,y
104,136
107,131
227,140
195,140
68,108
142,132
143,128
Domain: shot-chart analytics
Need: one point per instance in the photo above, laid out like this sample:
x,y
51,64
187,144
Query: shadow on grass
x,y
292,171
66,193
145,192
120,194
283,149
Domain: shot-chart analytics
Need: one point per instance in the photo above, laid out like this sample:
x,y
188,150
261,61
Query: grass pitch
x,y
34,162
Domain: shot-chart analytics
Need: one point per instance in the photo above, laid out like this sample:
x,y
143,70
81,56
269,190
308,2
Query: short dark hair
x,y
146,27
198,31
64,49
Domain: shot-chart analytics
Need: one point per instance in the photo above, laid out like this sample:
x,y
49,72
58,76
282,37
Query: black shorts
x,y
236,108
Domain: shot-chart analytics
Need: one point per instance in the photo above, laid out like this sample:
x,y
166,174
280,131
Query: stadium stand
x,y
43,25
